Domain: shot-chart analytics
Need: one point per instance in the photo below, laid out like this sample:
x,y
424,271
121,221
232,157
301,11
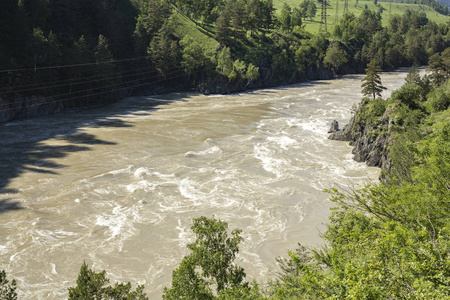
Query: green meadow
x,y
357,7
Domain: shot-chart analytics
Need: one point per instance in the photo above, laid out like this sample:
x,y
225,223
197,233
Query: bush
x,y
438,100
408,94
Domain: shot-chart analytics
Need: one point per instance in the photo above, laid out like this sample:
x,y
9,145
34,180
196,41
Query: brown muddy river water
x,y
118,187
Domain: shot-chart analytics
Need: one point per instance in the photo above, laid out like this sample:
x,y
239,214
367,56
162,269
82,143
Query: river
x,y
118,187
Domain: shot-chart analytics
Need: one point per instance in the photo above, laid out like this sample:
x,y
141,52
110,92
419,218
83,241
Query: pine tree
x,y
413,76
285,17
371,85
104,59
7,288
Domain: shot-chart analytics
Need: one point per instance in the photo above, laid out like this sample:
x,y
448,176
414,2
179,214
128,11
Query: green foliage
x,y
252,72
7,288
224,62
285,17
386,241
93,285
193,57
238,70
311,10
335,57
210,265
409,95
371,85
165,50
413,76
373,109
151,18
439,98
439,66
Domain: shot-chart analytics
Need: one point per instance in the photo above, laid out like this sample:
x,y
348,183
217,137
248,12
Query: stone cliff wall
x,y
369,138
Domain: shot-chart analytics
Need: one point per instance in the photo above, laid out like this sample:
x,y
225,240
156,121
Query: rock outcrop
x,y
334,127
369,138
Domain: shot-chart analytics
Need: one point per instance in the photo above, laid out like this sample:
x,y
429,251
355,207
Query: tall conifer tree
x,y
371,85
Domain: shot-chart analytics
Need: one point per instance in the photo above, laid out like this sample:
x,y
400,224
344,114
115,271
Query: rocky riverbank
x,y
369,136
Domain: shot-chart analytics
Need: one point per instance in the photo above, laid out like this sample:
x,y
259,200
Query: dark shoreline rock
x,y
334,127
370,140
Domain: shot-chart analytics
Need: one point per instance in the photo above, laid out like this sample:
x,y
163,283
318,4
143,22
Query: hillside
x,y
356,7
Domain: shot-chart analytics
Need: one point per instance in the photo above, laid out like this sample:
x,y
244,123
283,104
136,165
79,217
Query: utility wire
x,y
75,65
72,83
71,79
104,92
92,81
105,86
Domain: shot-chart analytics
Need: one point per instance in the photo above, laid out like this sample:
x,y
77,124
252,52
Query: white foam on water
x,y
141,172
271,164
120,223
53,269
102,191
49,235
3,249
126,170
212,150
140,185
314,125
185,235
283,141
188,190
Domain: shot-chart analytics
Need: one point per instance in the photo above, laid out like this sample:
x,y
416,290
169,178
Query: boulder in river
x,y
334,126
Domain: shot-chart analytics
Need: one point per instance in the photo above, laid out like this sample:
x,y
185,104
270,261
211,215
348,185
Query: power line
x,y
70,79
75,65
323,20
105,86
104,92
72,83
102,79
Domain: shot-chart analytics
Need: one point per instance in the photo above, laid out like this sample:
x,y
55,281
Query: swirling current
x,y
118,186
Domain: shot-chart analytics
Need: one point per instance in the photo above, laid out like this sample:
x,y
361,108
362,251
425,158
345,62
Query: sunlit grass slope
x,y
396,8
203,35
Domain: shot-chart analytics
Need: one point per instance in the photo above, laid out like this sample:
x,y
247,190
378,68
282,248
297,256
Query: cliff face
x,y
370,137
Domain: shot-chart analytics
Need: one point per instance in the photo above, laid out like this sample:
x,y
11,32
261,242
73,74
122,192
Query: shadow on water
x,y
8,204
23,148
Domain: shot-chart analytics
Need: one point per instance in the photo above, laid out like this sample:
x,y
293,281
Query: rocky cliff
x,y
368,134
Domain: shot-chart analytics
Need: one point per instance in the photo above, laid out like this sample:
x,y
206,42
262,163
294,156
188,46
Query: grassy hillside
x,y
205,36
396,8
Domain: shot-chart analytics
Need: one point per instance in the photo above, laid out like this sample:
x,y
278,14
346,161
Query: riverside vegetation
x,y
86,53
383,242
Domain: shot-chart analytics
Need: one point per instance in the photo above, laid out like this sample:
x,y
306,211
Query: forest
x,y
71,54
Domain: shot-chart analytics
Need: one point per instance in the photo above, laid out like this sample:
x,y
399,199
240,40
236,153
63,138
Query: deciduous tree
x,y
210,265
